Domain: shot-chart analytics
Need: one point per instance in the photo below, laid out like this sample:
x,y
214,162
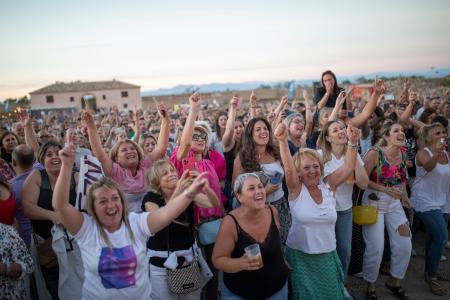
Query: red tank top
x,y
8,210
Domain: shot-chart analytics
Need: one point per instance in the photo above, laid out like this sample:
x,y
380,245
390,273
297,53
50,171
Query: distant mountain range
x,y
218,87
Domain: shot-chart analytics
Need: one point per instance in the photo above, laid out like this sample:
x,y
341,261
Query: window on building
x,y
72,99
104,97
124,94
49,99
125,105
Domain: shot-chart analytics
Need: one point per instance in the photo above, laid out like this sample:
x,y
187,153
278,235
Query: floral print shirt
x,y
13,250
387,174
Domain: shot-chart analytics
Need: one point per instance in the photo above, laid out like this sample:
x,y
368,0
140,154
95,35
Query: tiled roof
x,y
79,86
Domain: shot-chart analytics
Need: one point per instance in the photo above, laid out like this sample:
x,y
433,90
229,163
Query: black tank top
x,y
268,280
43,227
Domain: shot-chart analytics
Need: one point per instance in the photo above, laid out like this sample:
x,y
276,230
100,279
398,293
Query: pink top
x,y
216,169
128,183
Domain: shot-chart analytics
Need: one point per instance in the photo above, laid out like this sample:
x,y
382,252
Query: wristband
x,y
354,146
188,195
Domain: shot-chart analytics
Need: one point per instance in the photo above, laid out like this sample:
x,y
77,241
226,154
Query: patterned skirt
x,y
282,206
315,276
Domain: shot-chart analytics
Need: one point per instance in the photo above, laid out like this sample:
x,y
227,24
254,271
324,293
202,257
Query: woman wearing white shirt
x,y
429,197
333,144
311,242
112,241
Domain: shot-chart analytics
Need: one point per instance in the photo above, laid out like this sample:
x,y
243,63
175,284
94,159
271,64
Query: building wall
x,y
112,97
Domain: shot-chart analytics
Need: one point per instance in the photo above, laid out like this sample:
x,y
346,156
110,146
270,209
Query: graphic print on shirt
x,y
117,267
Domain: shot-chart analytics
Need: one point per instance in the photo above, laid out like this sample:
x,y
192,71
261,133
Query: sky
x,y
160,44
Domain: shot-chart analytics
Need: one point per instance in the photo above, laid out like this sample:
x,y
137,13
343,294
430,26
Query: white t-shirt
x,y
312,229
270,170
120,273
430,189
344,191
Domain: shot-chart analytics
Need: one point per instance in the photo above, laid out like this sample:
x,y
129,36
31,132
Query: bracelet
x,y
188,195
353,146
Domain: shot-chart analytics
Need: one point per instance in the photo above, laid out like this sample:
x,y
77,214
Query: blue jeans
x,y
343,229
226,294
437,237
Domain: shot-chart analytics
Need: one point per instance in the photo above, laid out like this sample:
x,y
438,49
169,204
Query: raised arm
x,y
343,172
253,104
290,172
163,139
71,218
162,217
30,136
96,143
429,162
308,114
337,107
406,115
188,130
227,138
379,88
278,110
136,127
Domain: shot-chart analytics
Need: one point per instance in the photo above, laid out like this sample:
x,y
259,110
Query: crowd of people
x,y
255,201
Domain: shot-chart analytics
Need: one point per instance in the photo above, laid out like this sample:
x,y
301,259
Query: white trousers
x,y
391,216
160,288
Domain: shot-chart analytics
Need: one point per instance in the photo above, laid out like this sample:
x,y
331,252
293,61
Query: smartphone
x,y
276,179
389,97
189,164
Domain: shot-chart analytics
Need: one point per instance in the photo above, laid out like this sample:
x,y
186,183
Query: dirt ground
x,y
413,282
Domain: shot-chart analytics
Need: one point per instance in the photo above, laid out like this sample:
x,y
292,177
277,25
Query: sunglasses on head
x,y
199,136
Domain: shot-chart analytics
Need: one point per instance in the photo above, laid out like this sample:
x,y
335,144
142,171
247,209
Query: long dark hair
x,y
4,135
336,88
247,154
216,124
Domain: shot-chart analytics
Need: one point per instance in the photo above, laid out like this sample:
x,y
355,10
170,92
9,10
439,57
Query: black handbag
x,y
185,279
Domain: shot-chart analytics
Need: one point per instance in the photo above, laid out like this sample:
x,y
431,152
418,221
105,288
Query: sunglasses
x,y
199,136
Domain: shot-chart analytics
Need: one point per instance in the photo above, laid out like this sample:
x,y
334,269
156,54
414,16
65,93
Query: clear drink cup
x,y
254,252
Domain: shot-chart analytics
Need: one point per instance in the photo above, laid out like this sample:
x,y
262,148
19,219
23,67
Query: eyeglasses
x,y
297,121
199,136
44,136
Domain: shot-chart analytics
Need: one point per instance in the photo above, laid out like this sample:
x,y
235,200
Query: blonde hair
x,y
325,144
383,132
115,150
306,152
154,174
427,131
110,184
202,127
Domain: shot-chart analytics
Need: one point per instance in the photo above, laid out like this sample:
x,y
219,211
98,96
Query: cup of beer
x,y
254,253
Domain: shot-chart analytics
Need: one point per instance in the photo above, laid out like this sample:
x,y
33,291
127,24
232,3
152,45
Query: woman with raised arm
x,y
231,142
112,240
178,238
386,166
311,243
429,196
259,153
37,205
333,145
194,154
126,163
252,222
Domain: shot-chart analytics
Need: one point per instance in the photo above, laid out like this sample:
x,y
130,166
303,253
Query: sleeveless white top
x,y
430,189
270,170
312,229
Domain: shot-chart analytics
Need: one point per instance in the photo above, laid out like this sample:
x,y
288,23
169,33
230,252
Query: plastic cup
x,y
254,252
